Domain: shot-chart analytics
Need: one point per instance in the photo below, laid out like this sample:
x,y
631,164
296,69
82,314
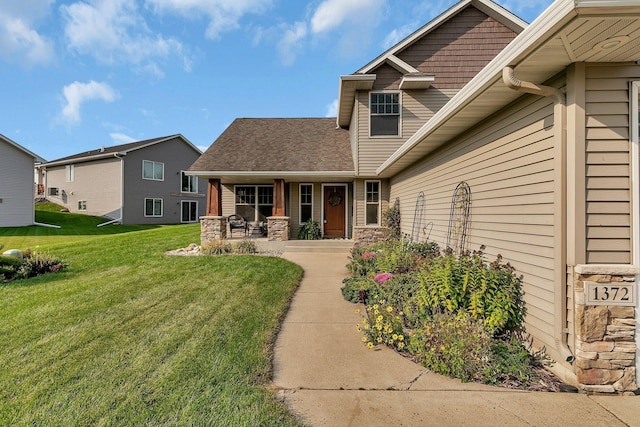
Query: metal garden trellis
x,y
459,218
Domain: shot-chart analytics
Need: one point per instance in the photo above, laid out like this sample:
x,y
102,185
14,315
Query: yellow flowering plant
x,y
382,324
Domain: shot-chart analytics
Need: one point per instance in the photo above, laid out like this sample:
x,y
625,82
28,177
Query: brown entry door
x,y
334,212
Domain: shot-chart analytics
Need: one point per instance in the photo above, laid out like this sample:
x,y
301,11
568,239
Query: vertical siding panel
x,y
509,164
608,201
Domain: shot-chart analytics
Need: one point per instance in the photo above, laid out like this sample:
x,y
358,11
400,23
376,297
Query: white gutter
x,y
342,174
40,224
560,221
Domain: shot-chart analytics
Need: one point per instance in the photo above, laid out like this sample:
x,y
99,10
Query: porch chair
x,y
237,221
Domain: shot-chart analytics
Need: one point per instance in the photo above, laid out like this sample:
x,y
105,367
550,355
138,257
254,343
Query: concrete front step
x,y
335,246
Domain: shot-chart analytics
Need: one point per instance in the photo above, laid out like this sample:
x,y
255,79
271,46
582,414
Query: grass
x,y
128,336
74,227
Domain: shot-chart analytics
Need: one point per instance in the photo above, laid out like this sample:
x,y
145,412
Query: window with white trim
x,y
385,114
54,191
372,202
306,203
153,207
152,170
189,211
82,205
69,173
188,184
254,202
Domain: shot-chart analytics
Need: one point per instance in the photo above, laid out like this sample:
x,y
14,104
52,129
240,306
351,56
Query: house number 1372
x,y
610,294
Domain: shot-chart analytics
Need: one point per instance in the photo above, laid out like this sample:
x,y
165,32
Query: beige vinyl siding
x,y
228,199
359,210
16,188
294,203
99,183
418,106
508,162
608,194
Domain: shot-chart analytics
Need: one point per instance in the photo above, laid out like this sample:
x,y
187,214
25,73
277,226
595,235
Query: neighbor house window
x,y
54,191
69,172
306,203
254,202
82,205
152,170
153,207
189,210
372,202
385,113
189,184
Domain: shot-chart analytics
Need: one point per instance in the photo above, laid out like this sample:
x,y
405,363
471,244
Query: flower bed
x,y
457,315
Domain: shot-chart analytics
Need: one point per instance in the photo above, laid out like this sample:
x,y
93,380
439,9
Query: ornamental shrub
x,y
491,293
311,230
358,289
31,265
453,345
246,246
216,247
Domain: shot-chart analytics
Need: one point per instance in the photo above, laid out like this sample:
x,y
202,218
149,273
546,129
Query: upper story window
x,y
385,113
69,173
152,170
189,184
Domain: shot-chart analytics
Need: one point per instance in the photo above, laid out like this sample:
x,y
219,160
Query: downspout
x,y
121,193
560,144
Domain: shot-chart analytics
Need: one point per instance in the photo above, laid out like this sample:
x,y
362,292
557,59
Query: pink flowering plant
x,y
381,278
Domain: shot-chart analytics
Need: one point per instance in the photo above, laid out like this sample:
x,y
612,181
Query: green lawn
x,y
128,336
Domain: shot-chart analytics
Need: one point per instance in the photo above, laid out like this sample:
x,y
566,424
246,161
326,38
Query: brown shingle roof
x,y
301,144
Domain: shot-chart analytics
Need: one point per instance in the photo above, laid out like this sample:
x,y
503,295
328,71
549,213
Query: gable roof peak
x,y
490,8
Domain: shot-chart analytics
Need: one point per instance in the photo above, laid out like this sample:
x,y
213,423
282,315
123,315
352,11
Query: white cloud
x,y
291,42
121,138
113,31
332,109
397,35
333,13
223,15
77,93
202,148
19,40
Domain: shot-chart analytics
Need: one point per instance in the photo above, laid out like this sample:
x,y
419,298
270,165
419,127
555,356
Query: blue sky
x,y
77,75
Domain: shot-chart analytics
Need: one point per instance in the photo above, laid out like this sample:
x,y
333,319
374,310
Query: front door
x,y
334,211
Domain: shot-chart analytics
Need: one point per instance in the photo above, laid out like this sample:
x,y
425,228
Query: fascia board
x,y
261,174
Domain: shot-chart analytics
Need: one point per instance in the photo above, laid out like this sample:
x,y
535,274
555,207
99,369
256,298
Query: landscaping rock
x,y
15,253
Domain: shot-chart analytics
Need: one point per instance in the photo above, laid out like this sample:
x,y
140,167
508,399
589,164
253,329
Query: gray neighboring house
x,y
137,183
16,184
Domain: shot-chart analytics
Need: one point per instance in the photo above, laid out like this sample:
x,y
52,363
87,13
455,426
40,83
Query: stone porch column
x,y
278,228
212,228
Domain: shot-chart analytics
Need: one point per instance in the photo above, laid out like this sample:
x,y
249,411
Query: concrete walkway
x,y
329,378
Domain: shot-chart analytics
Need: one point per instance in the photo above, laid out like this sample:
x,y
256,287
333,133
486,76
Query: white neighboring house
x,y
16,184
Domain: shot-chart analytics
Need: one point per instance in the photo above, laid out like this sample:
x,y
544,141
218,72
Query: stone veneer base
x,y
367,235
605,353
